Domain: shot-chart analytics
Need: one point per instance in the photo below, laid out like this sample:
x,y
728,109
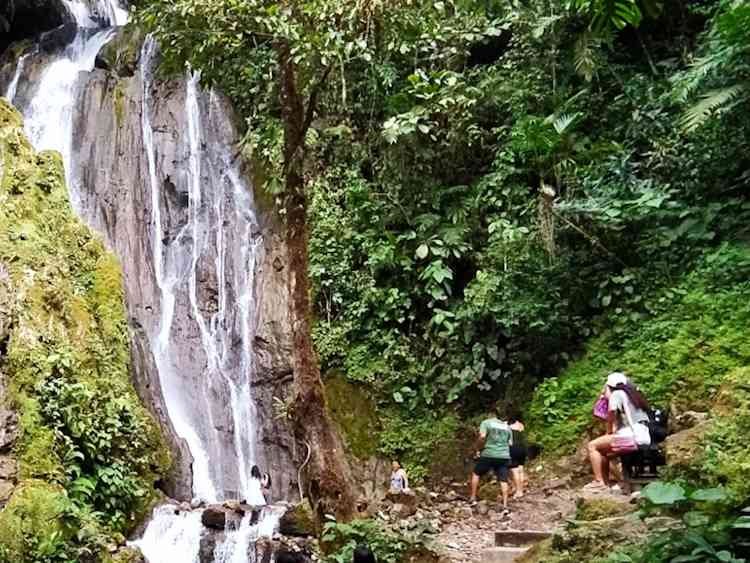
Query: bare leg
x,y
598,451
504,488
474,486
518,477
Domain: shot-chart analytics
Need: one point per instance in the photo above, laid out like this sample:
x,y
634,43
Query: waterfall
x,y
172,535
48,120
203,254
10,93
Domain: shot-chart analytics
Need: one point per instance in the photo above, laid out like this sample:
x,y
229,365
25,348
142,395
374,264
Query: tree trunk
x,y
328,481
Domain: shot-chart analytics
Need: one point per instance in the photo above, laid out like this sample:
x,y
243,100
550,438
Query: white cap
x,y
616,378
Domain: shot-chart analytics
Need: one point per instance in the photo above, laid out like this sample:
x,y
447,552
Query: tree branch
x,y
312,101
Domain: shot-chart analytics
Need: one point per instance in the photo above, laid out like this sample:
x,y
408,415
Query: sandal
x,y
596,486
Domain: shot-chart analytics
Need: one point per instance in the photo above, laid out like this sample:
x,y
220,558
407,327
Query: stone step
x,y
502,554
519,538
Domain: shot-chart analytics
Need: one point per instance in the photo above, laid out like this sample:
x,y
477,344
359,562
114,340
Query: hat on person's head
x,y
616,378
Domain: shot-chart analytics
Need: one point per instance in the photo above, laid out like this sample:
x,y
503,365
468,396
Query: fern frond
x,y
584,59
712,103
563,121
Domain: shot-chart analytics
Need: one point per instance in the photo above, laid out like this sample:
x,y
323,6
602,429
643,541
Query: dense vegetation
x,y
491,184
88,452
500,193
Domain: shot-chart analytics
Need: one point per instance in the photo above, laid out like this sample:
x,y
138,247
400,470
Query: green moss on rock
x,y
122,52
355,414
31,520
89,452
589,509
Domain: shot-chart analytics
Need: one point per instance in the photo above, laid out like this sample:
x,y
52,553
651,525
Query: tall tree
x,y
295,44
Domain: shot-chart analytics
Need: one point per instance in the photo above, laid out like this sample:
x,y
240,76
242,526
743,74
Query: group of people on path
x,y
502,449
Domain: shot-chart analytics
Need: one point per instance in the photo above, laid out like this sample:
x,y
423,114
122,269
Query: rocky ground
x,y
542,509
462,532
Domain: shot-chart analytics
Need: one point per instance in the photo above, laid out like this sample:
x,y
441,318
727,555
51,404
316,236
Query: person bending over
x,y
627,428
493,453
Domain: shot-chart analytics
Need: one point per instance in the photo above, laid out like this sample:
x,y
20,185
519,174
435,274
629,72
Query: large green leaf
x,y
716,494
664,494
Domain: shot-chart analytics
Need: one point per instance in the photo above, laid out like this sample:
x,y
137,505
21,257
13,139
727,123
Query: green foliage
x,y
679,354
725,459
423,442
702,535
472,201
32,527
720,72
341,539
89,452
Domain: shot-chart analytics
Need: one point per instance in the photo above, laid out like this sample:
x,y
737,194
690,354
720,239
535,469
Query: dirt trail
x,y
543,508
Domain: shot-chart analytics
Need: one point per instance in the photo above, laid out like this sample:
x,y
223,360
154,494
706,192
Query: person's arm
x,y
481,439
405,479
615,401
611,421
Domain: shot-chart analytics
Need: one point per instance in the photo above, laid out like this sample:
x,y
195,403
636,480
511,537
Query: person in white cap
x,y
626,422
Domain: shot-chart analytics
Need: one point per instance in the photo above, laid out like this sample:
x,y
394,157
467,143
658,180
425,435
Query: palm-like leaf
x,y
713,103
562,122
585,55
617,14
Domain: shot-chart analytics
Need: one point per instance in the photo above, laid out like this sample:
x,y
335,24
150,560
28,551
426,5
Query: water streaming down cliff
x,y
193,283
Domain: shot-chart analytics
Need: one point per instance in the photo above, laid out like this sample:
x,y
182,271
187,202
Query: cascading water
x,y
48,119
204,270
10,93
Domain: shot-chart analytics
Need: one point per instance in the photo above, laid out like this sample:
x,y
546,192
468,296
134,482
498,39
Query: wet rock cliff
x,y
115,179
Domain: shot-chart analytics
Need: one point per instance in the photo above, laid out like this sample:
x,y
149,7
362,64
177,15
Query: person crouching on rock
x,y
399,480
493,454
627,428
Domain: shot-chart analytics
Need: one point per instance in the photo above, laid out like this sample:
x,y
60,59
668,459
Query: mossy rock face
x,y
588,541
120,55
89,453
354,413
128,555
589,509
298,521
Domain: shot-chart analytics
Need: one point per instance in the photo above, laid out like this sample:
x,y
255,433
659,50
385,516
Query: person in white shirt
x,y
627,417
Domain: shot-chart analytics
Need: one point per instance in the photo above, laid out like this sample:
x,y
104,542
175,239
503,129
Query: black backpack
x,y
658,422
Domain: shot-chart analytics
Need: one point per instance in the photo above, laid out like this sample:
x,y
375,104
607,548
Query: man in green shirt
x,y
493,453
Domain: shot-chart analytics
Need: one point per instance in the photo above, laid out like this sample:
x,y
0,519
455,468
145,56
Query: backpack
x,y
657,424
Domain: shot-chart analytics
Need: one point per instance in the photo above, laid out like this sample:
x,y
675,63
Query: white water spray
x,y
169,271
172,535
10,93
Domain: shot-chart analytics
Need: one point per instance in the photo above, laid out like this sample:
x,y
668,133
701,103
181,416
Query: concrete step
x,y
519,538
502,554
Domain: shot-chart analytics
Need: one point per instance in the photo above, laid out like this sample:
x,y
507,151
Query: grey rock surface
x,y
111,171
